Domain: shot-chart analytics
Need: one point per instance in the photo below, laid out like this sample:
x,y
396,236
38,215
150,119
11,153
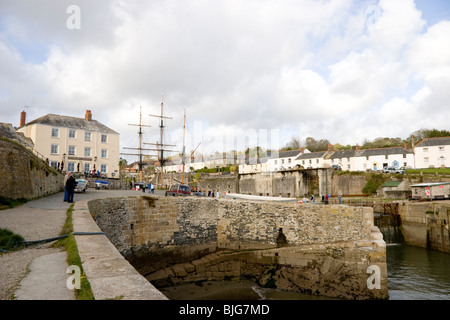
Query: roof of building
x,y
382,151
341,154
311,155
430,184
7,131
392,183
287,154
430,142
72,122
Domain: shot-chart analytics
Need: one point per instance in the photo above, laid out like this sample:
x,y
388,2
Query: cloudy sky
x,y
247,72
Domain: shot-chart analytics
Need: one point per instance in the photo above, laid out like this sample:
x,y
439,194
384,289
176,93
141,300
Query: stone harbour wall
x,y
291,246
24,175
426,224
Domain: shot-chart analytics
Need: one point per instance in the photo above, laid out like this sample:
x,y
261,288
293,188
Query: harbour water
x,y
417,273
413,274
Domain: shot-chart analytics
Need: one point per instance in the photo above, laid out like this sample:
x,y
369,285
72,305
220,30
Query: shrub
x,y
9,240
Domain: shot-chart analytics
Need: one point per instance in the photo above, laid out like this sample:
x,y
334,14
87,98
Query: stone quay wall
x,y
24,175
426,224
291,183
301,247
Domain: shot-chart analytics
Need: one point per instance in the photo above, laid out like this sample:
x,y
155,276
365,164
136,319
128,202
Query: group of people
x,y
150,187
69,187
212,194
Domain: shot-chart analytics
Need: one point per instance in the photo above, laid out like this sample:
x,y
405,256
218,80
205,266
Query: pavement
x,y
39,272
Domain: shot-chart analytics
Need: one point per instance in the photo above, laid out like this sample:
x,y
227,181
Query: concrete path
x,y
46,280
39,272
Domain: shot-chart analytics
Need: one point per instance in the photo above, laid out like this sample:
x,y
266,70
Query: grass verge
x,y
73,258
9,241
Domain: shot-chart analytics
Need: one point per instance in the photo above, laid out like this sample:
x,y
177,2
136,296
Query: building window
x,y
289,160
87,167
71,150
87,152
104,138
317,161
367,157
87,136
54,149
303,161
71,166
404,156
425,149
282,161
54,164
104,153
426,159
275,161
103,168
441,149
72,133
386,156
55,133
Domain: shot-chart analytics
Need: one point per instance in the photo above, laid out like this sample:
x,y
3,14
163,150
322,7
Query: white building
x,y
377,159
254,165
433,153
284,160
312,160
343,159
75,144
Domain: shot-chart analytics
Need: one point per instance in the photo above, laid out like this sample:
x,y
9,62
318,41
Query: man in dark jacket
x,y
70,185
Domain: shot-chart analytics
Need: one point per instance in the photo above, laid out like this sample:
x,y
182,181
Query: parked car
x,y
181,190
393,170
81,185
101,184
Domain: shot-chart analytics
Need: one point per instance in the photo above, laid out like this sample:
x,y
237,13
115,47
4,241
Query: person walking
x,y
70,185
66,192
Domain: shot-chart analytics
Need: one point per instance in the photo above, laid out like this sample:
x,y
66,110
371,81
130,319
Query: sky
x,y
245,72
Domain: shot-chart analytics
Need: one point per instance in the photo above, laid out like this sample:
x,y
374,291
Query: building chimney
x,y
23,116
357,148
330,147
302,150
88,115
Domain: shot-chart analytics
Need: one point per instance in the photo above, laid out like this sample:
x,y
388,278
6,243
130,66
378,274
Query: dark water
x,y
417,273
413,274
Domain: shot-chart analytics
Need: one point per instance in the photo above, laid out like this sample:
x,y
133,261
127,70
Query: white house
x,y
254,165
433,153
377,159
284,160
344,159
75,144
312,160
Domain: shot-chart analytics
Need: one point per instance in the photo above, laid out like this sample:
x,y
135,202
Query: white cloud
x,y
312,68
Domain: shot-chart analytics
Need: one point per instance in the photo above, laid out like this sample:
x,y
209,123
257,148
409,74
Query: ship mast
x,y
140,132
160,145
183,155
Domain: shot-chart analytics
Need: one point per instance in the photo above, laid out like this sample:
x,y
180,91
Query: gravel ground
x,y
14,267
37,220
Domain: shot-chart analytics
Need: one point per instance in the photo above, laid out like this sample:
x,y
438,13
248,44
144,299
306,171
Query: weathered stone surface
x,y
326,250
24,175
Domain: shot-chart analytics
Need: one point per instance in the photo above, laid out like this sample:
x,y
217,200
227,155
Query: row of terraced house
x,y
84,145
428,153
